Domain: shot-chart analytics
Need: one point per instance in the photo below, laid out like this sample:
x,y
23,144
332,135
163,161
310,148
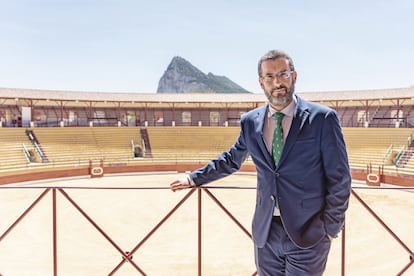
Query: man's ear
x,y
261,83
294,75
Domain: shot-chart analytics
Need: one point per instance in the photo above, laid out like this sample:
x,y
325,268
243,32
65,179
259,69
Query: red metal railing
x,y
386,227
127,255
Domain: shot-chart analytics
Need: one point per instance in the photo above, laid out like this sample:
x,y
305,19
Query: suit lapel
x,y
260,119
299,118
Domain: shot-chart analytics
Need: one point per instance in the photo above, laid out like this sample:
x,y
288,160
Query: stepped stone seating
x,y
12,156
376,146
115,142
77,145
408,168
190,142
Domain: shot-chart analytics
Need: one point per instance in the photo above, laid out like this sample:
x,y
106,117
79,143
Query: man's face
x,y
278,82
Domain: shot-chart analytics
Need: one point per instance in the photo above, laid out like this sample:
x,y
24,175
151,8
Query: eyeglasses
x,y
280,76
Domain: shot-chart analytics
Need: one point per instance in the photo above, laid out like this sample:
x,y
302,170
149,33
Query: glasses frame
x,y
284,75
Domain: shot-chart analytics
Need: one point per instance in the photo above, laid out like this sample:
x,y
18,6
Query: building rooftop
x,y
200,97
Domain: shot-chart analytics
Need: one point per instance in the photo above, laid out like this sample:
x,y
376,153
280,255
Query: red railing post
x,y
54,233
199,231
388,229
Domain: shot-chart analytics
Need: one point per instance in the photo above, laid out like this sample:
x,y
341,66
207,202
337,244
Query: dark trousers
x,y
280,256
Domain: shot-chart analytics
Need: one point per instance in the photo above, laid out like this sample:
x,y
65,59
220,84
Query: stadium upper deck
x,y
25,107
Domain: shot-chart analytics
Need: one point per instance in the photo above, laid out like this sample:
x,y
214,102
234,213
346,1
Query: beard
x,y
281,101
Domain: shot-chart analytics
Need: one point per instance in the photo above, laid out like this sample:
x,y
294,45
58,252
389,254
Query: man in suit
x,y
302,195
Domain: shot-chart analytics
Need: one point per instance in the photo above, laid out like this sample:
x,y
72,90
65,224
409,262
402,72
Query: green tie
x,y
277,145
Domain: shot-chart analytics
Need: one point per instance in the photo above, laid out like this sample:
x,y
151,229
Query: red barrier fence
x,y
127,254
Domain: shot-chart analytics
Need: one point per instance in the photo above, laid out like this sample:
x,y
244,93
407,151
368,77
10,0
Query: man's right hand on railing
x,y
181,184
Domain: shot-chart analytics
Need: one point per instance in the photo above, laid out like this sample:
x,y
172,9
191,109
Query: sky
x,y
126,45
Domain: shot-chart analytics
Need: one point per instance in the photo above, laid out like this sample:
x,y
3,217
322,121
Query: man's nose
x,y
276,82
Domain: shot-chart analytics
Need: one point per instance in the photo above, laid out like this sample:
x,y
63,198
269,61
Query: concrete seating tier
x,y
78,145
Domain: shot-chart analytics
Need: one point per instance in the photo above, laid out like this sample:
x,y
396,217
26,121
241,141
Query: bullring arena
x,y
85,184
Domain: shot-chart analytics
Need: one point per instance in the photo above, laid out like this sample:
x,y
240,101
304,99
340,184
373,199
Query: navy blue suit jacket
x,y
312,182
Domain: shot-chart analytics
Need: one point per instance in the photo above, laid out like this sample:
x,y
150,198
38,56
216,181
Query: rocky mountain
x,y
182,77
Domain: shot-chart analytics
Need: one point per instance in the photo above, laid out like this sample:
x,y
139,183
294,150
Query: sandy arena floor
x,y
128,215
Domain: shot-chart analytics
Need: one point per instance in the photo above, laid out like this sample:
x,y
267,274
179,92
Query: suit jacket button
x,y
272,197
277,174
